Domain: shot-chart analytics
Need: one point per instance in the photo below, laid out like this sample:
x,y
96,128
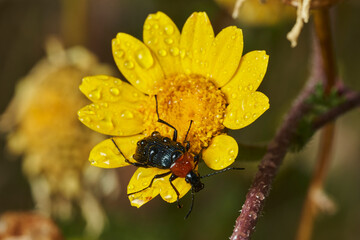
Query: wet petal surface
x,y
106,155
163,37
136,62
221,153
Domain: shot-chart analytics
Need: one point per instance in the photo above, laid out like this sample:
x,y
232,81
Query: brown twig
x,y
277,149
311,207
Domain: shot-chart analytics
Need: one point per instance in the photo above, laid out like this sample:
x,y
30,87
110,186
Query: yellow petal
x,y
106,155
103,88
136,62
224,55
168,193
140,180
245,109
196,38
113,118
249,75
163,37
221,153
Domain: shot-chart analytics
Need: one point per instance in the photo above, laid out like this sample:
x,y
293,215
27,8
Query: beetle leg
x,y
172,178
162,121
192,203
196,160
127,160
152,181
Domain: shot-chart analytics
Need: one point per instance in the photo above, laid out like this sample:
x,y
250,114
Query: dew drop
x,y
156,26
250,87
162,52
129,64
152,41
130,186
104,105
182,53
254,115
147,26
135,95
234,95
127,114
119,53
169,29
86,119
92,162
174,51
232,152
114,91
95,94
169,41
144,58
106,124
246,116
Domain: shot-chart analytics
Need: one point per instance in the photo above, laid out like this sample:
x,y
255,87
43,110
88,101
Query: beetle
x,y
164,153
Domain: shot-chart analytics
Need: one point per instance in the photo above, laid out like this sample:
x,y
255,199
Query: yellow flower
x,y
196,76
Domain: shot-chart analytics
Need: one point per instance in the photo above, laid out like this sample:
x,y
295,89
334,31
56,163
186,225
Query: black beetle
x,y
165,153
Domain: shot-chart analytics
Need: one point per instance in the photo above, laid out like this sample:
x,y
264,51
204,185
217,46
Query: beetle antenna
x,y
192,203
221,171
187,133
162,121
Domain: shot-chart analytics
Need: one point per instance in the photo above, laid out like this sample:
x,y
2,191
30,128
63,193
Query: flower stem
x,y
310,208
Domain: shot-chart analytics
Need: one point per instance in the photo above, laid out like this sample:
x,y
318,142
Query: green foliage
x,y
319,103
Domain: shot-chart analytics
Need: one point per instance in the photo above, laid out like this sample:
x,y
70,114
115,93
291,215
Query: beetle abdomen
x,y
158,151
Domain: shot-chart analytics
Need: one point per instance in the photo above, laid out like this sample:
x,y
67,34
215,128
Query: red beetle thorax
x,y
183,165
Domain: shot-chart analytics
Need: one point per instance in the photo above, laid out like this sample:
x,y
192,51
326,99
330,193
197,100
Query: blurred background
x,y
48,46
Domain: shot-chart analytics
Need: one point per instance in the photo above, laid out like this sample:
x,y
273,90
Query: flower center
x,y
184,98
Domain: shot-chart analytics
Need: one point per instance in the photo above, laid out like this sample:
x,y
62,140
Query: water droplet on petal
x,y
169,29
144,58
114,91
246,116
92,162
95,94
182,53
129,64
152,41
147,26
162,52
106,124
127,114
119,53
232,152
234,95
130,186
174,51
169,41
250,87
